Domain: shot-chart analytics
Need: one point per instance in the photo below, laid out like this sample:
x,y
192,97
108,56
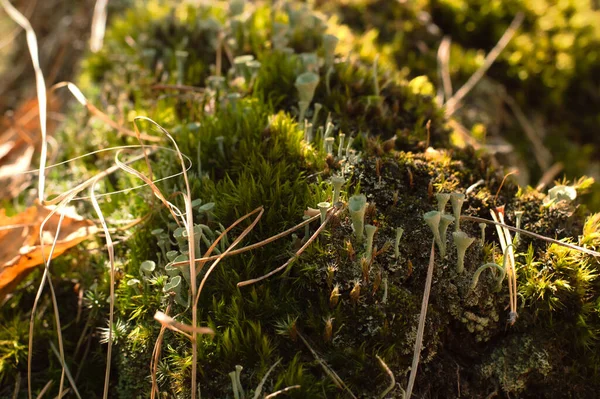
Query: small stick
x,y
513,172
542,155
534,235
421,327
68,373
389,372
156,357
332,374
256,245
294,257
97,113
452,103
45,389
443,58
284,390
237,241
549,175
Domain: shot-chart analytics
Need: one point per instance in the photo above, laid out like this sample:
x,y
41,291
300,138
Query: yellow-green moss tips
x,y
334,296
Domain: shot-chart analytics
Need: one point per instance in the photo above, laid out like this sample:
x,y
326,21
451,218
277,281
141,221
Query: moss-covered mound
x,y
544,81
230,83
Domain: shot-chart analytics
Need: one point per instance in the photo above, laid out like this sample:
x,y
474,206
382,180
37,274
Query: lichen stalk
x,y
370,230
442,200
457,200
445,221
399,232
432,219
357,205
337,182
462,241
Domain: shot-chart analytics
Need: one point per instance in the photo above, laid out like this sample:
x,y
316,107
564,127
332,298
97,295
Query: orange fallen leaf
x,y
19,139
21,250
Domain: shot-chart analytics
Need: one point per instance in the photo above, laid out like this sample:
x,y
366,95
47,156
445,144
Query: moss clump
x,y
333,308
545,71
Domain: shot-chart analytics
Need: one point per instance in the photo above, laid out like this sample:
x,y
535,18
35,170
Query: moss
x,y
249,150
518,364
547,67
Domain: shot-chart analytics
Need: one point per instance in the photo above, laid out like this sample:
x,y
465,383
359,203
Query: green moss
x,y
247,149
548,67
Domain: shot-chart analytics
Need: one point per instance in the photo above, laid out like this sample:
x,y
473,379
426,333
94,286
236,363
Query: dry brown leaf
x,y
20,246
19,138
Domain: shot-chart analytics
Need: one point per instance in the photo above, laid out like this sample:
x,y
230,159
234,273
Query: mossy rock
x,y
332,310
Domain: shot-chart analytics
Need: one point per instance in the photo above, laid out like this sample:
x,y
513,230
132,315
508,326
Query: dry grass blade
x,y
452,103
46,277
190,233
45,389
99,114
264,379
331,212
111,258
443,59
542,155
389,372
421,328
156,357
183,328
40,85
284,390
17,387
511,271
233,244
69,376
85,184
534,235
328,370
512,172
549,175
256,245
61,200
98,25
171,207
135,159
